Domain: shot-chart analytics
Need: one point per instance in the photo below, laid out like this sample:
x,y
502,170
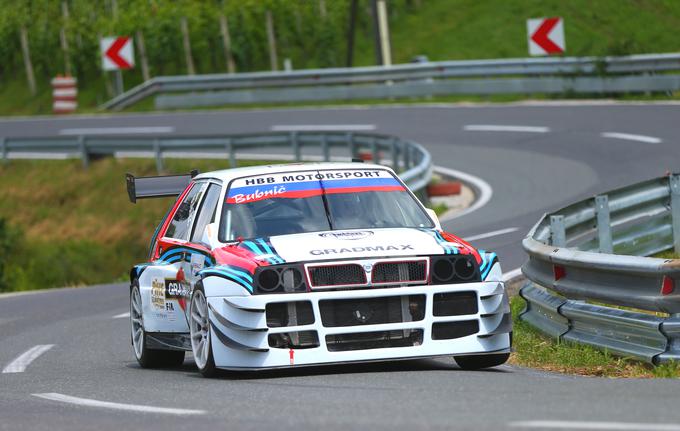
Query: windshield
x,y
312,201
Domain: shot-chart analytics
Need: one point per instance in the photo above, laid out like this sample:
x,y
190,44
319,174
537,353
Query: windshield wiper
x,y
326,208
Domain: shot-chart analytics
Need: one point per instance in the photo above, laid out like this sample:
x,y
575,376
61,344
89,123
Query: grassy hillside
x,y
63,225
440,29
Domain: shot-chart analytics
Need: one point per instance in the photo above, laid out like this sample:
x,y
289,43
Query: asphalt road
x,y
530,172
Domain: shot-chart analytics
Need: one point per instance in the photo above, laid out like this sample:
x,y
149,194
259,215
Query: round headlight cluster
x,y
280,279
453,269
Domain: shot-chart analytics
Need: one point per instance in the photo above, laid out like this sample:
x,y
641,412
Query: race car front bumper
x,y
287,330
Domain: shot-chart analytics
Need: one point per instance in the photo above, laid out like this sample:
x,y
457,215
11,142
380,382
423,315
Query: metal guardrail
x,y
518,75
409,159
593,253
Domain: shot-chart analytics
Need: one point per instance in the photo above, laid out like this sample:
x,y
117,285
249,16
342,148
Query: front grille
x,y
455,304
374,340
372,311
451,330
337,275
395,272
297,313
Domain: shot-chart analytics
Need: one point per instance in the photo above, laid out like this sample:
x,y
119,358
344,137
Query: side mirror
x,y
433,215
209,236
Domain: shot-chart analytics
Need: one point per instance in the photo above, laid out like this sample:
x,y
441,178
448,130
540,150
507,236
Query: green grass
x,y
69,226
536,350
668,254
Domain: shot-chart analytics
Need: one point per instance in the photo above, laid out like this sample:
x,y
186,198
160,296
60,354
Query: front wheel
x,y
148,358
199,328
478,362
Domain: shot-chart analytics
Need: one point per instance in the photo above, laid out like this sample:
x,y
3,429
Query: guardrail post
x,y
82,146
296,146
375,153
3,150
325,148
674,181
350,145
229,146
394,149
558,234
407,156
604,228
158,155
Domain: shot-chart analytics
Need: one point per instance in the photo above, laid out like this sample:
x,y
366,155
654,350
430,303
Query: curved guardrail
x,y
409,159
592,254
542,75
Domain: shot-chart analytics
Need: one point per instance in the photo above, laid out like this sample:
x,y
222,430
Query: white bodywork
x,y
240,315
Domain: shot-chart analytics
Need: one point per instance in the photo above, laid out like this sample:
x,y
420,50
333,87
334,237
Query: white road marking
x,y
323,127
482,188
22,361
491,234
116,406
117,130
582,425
507,276
631,137
121,315
501,128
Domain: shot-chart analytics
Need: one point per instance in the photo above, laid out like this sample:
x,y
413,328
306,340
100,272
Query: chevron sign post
x,y
117,53
546,36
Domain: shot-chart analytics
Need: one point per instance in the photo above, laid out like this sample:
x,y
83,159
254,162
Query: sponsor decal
x,y
308,184
353,235
291,354
257,195
177,289
197,263
327,251
158,294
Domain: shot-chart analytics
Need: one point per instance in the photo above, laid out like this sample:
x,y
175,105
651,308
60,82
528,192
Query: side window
x,y
181,221
206,215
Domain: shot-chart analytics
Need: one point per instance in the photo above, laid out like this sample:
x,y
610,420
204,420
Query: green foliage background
x,y
440,29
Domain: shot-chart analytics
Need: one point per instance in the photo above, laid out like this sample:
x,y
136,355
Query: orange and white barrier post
x,y
64,94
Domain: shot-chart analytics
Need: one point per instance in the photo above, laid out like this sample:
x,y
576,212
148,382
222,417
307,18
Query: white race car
x,y
309,264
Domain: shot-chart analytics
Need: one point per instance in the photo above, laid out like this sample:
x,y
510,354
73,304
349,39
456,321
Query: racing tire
x,y
478,362
199,331
148,358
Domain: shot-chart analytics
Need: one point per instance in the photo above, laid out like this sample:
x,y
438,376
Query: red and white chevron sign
x,y
117,53
546,36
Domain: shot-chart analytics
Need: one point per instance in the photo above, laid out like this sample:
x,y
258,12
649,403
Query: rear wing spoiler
x,y
157,187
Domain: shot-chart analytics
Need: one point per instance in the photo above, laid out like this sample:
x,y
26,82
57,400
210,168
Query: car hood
x,y
353,244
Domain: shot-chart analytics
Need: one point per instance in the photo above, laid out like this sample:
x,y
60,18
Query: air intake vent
x,y
400,272
337,275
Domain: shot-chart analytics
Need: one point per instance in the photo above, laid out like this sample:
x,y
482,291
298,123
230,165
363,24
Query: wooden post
x,y
384,28
322,9
271,37
226,42
187,46
27,60
350,32
114,9
142,53
64,40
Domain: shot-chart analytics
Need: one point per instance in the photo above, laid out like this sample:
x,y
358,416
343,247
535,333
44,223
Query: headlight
x,y
280,279
452,269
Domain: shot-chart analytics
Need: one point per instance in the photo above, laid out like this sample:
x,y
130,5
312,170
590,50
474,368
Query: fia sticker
x,y
197,263
158,293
